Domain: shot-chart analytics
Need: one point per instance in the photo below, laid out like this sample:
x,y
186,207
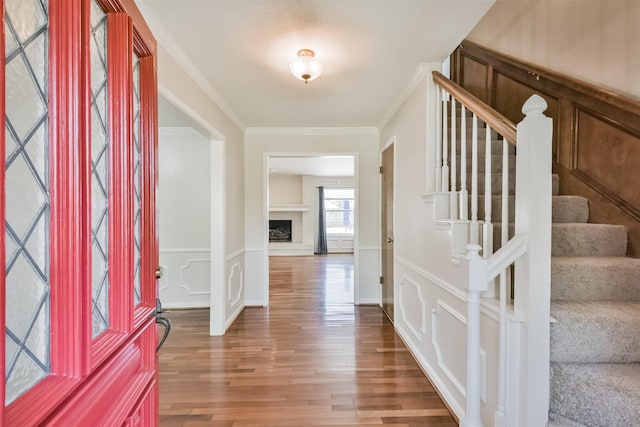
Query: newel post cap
x,y
535,106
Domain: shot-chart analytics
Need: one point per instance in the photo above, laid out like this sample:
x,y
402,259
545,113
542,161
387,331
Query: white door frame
x,y
389,143
265,217
217,244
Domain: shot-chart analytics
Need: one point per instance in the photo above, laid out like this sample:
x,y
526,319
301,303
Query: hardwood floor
x,y
311,358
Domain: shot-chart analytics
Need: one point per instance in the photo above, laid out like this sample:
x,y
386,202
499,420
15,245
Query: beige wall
x,y
359,142
285,190
178,87
594,40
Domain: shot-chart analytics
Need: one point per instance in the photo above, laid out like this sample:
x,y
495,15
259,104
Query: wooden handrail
x,y
493,118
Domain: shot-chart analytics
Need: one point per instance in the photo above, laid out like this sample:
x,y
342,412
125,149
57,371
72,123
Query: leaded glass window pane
x,y
99,172
27,356
137,174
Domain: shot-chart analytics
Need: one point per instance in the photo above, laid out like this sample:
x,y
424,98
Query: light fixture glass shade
x,y
305,66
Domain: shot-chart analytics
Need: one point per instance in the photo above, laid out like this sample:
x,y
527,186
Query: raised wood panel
x,y
596,131
605,157
509,94
473,74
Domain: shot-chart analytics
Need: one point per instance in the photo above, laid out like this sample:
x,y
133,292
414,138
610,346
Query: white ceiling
x,y
371,50
315,166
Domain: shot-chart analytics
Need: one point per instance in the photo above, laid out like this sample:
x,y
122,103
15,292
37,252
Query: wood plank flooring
x,y
311,358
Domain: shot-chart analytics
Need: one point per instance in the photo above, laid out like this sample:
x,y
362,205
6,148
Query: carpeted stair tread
x,y
496,163
564,209
588,240
556,420
595,278
595,331
598,394
496,184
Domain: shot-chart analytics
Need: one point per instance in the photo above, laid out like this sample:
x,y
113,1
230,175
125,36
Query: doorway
x,y
293,208
191,156
387,228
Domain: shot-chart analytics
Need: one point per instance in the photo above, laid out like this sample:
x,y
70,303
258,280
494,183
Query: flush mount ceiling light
x,y
305,66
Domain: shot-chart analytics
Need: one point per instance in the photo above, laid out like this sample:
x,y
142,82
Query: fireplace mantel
x,y
288,208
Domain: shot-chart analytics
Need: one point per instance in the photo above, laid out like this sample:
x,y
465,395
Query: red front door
x,y
78,92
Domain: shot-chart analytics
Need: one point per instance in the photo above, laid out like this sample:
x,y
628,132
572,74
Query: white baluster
x,y
504,221
487,229
500,415
474,227
445,142
439,142
464,193
453,199
477,284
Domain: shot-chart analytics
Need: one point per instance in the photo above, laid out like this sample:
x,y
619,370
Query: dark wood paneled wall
x,y
596,138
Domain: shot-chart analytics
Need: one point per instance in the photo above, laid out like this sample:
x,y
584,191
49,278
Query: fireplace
x,y
279,230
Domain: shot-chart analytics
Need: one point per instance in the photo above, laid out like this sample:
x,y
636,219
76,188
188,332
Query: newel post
x,y
477,285
533,270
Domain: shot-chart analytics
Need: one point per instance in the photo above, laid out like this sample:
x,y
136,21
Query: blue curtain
x,y
322,224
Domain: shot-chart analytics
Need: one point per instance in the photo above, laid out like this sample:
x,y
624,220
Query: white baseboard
x,y
181,305
233,317
369,301
431,374
253,303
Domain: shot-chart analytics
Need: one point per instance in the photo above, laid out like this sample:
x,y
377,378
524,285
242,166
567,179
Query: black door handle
x,y
161,320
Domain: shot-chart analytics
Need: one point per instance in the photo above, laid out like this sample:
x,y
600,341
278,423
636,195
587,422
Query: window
x,y
339,203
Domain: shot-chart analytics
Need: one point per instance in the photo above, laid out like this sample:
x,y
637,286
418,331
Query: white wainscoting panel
x,y
339,244
445,321
186,279
431,319
255,273
191,275
411,306
235,287
367,275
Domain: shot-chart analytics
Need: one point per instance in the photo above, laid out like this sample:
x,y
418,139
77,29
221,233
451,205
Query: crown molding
x,y
183,60
365,130
419,74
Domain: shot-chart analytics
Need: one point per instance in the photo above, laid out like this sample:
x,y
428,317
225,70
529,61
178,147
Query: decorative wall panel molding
x,y
414,317
235,280
448,287
185,271
164,280
455,326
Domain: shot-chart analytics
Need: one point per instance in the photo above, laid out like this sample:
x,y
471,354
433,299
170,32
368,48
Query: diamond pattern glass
x,y
99,172
27,357
137,183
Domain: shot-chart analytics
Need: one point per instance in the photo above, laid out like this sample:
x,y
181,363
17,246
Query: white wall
x,y
194,99
430,298
360,142
184,217
594,40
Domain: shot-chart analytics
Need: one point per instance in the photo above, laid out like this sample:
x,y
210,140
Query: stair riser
x,y
496,164
574,210
599,333
606,279
570,240
595,400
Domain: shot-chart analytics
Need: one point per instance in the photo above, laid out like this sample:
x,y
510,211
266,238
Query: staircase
x,y
594,288
595,339
595,292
